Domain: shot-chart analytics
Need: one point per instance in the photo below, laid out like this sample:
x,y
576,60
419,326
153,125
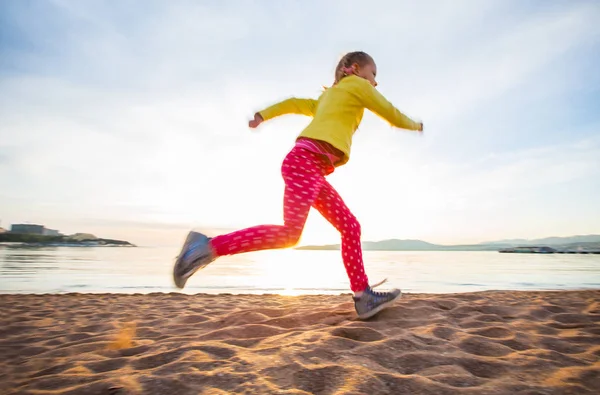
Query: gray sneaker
x,y
372,302
195,254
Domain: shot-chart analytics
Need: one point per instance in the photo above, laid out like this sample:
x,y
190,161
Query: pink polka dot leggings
x,y
305,186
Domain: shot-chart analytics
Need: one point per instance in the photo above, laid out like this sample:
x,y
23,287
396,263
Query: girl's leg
x,y
301,171
332,207
366,301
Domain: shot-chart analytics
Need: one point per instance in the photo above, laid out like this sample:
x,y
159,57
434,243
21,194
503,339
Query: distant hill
x,y
405,245
574,242
385,245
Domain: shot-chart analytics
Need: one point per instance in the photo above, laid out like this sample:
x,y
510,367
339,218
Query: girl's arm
x,y
377,103
288,106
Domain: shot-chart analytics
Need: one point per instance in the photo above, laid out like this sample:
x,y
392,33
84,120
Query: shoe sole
x,y
180,280
379,308
177,279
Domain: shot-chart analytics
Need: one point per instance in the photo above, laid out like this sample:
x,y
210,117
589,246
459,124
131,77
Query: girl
x,y
321,147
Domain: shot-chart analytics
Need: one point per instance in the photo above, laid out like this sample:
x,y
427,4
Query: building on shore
x,y
33,229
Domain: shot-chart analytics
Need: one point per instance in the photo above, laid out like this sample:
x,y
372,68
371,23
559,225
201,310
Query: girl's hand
x,y
258,119
420,127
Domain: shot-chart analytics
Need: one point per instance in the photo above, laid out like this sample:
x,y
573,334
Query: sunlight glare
x,y
294,273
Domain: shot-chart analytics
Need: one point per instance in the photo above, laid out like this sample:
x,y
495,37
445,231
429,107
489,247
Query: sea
x,y
56,270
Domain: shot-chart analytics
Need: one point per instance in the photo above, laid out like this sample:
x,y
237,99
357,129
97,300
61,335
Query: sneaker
x,y
195,254
372,302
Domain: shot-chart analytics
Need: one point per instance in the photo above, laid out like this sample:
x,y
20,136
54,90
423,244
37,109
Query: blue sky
x,y
129,118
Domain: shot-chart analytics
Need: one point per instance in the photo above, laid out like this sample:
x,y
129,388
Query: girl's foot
x,y
371,302
195,254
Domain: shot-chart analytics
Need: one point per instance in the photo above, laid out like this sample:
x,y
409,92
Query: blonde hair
x,y
346,62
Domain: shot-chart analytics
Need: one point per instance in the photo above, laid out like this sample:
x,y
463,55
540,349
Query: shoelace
x,y
379,283
379,294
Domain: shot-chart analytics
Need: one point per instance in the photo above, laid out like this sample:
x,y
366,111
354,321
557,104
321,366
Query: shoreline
x,y
279,292
325,295
484,342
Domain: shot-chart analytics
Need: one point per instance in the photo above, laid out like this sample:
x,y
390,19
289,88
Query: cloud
x,y
137,113
485,67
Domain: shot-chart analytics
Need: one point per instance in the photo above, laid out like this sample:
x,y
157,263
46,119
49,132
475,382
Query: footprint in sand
x,y
358,334
484,347
494,332
107,365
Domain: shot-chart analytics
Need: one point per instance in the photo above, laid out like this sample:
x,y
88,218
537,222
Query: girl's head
x,y
358,63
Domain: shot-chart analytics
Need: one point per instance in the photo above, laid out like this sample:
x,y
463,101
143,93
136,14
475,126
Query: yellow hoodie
x,y
338,112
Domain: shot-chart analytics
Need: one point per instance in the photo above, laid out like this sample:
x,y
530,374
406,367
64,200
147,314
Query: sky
x,y
128,119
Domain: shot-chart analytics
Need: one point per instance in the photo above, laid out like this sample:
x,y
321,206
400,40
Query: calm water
x,y
146,269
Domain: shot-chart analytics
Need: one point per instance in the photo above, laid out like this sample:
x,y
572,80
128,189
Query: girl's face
x,y
368,72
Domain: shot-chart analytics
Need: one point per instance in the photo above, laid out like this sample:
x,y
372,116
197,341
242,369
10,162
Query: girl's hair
x,y
346,62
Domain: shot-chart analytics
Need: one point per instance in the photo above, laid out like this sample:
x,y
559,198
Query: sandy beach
x,y
518,343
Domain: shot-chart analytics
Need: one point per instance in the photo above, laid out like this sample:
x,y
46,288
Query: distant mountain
x,y
386,245
590,241
405,245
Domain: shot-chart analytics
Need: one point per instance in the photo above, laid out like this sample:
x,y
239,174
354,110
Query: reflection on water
x,y
289,272
20,260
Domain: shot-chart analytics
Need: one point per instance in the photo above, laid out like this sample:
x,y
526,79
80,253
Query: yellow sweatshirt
x,y
338,112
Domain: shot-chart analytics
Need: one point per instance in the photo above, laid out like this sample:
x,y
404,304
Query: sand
x,y
518,343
